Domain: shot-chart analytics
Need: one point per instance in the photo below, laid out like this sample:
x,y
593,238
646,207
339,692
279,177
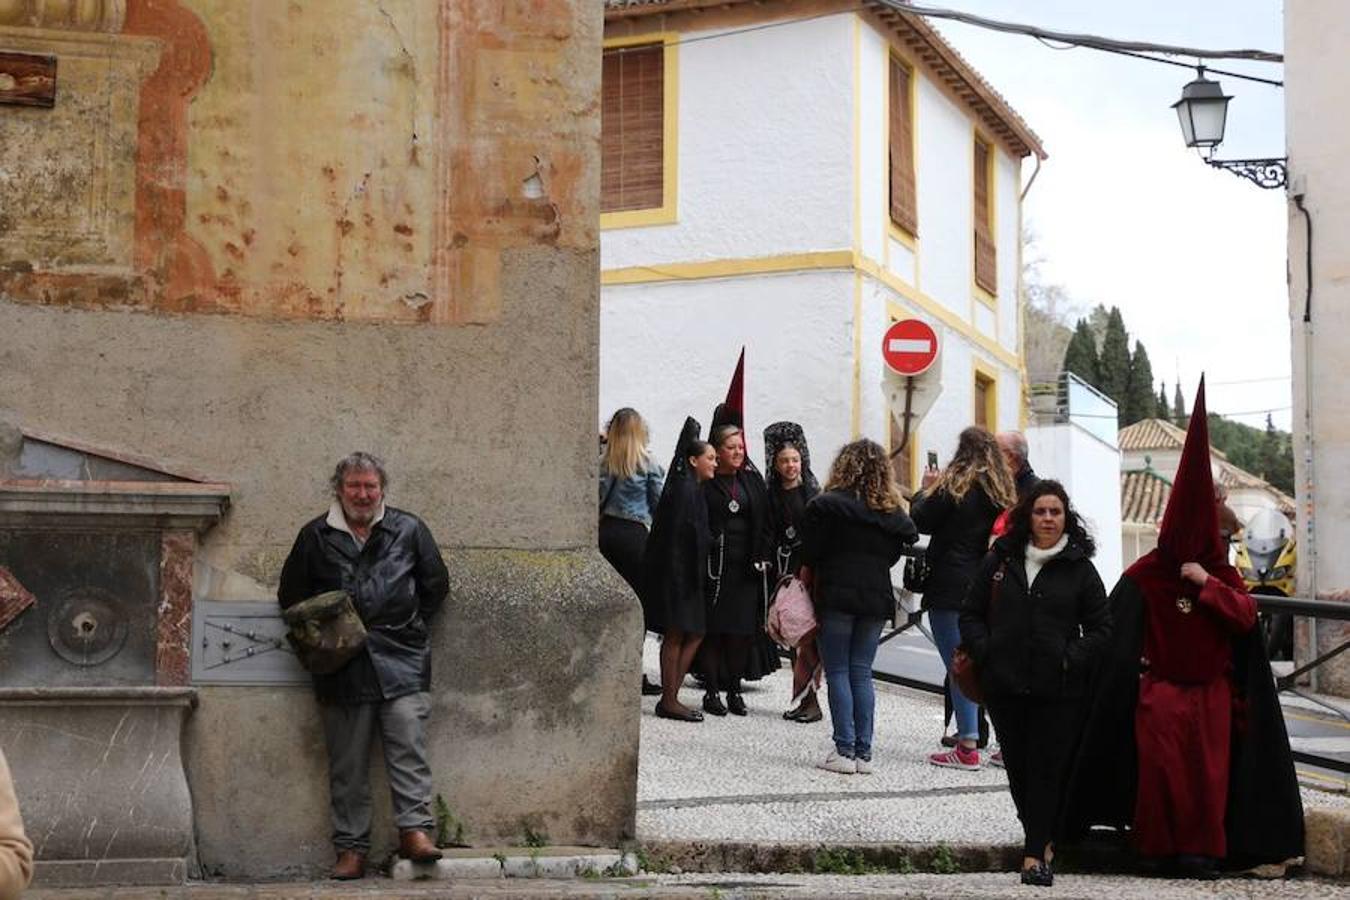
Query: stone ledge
x,y
1327,845
742,856
518,862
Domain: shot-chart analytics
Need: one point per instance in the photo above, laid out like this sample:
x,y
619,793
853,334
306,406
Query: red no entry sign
x,y
909,347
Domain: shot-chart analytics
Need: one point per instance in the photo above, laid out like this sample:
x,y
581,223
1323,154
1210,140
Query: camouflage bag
x,y
325,631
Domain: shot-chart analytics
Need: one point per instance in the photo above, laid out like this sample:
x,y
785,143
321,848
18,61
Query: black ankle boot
x,y
735,704
712,704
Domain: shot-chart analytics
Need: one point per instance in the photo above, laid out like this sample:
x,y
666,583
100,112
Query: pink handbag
x,y
792,615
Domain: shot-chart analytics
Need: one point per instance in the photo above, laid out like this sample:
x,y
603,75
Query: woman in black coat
x,y
1035,619
855,531
958,507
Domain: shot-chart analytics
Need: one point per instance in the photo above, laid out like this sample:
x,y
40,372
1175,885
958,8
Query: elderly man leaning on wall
x,y
16,851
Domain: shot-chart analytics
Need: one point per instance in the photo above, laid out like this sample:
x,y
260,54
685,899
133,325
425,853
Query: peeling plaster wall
x,y
303,278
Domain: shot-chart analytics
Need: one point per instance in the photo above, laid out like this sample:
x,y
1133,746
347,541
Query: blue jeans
x,y
848,645
947,635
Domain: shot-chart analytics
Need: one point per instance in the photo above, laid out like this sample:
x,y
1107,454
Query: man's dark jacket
x,y
1026,639
850,549
1025,480
960,539
397,582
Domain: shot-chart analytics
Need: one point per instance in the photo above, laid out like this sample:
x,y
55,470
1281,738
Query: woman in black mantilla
x,y
675,568
738,564
791,485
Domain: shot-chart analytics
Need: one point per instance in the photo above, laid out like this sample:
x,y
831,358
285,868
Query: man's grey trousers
x,y
348,730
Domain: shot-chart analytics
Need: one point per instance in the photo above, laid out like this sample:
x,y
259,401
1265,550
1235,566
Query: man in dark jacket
x,y
387,562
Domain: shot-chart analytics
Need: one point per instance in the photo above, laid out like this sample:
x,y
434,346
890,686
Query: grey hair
x,y
1018,441
358,461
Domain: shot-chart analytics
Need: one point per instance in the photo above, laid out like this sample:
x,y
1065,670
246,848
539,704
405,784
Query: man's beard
x,y
359,516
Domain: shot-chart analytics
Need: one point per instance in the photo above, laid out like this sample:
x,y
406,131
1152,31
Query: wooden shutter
x,y
904,199
632,128
986,262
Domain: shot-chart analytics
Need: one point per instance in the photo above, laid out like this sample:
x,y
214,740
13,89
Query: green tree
x,y
1160,406
1080,356
1114,362
1179,408
1277,457
1139,402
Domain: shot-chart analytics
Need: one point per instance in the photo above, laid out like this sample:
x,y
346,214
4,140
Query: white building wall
x,y
1089,469
1007,230
943,135
765,149
874,146
669,350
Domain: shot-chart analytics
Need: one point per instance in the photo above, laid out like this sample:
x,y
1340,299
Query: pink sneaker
x,y
956,758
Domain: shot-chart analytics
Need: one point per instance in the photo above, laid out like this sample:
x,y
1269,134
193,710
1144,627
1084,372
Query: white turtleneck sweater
x,y
1036,557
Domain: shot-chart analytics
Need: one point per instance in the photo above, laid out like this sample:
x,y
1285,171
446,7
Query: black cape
x,y
1264,821
674,562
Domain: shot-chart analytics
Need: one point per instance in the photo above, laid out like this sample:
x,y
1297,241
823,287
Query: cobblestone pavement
x,y
728,886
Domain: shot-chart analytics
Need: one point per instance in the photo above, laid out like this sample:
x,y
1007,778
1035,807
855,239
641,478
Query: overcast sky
x,y
1125,215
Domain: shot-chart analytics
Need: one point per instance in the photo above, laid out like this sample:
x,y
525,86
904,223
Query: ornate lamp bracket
x,y
1266,173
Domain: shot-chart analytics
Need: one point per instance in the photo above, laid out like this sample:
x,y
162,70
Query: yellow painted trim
x,y
928,305
668,212
724,268
857,354
982,371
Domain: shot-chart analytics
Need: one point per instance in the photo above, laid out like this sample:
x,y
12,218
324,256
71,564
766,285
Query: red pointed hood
x,y
1190,524
731,411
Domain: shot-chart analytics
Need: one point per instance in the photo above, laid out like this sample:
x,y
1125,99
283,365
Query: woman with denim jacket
x,y
630,488
1035,619
855,531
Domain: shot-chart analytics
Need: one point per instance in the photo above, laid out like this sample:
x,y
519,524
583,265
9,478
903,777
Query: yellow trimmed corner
x,y
983,371
725,268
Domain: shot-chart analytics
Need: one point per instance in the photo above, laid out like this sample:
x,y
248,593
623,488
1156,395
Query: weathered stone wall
x,y
304,227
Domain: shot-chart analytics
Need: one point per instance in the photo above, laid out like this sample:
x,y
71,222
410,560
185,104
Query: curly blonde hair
x,y
978,460
862,468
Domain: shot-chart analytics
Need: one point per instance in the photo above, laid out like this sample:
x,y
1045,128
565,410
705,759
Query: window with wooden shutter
x,y
986,262
904,198
632,128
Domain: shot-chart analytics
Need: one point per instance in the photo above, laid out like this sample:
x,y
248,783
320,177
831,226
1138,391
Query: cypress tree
x,y
1179,408
1139,400
1080,357
1114,362
1160,407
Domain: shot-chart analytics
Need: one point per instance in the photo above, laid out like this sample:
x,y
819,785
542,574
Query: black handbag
x,y
915,576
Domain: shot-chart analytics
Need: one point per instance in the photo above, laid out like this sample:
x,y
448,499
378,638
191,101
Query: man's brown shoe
x,y
417,845
351,864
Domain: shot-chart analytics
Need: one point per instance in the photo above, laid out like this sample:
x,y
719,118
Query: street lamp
x,y
1202,112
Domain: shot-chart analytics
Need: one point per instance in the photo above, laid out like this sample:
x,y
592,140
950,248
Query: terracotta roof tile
x,y
1143,496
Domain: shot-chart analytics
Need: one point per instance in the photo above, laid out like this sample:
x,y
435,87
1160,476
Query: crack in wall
x,y
412,64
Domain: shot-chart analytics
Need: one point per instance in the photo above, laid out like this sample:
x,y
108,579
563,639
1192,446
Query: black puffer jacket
x,y
397,582
1036,640
850,549
960,538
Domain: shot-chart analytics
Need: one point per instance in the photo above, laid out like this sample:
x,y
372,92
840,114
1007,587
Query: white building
x,y
795,189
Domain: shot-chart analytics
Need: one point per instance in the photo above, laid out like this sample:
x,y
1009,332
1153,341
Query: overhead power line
x,y
1082,40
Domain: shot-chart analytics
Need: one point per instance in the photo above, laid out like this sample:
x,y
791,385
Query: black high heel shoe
x,y
712,704
1039,875
736,704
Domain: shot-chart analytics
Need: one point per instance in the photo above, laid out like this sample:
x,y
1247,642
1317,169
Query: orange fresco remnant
x,y
332,160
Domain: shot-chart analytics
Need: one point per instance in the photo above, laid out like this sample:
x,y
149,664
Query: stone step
x,y
519,862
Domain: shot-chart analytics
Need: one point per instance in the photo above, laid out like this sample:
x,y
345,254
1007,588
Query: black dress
x,y
734,590
675,563
789,512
